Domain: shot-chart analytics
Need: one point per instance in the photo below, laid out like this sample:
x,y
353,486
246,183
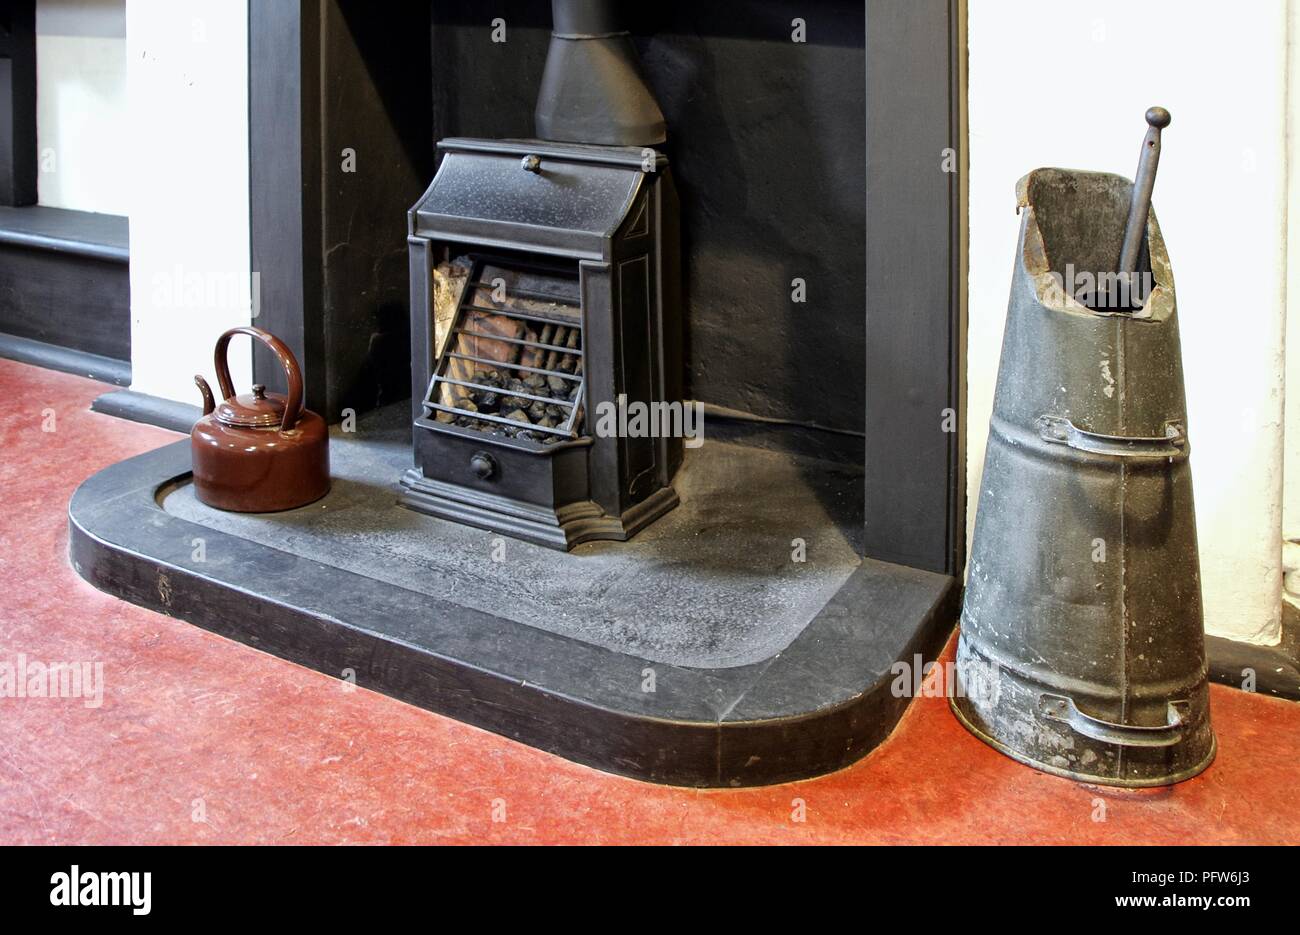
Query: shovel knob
x,y
1143,184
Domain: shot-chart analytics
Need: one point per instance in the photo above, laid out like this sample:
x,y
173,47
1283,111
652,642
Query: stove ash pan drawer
x,y
549,478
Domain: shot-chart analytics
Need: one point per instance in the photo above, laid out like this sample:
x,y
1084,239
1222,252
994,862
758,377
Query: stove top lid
x,y
564,198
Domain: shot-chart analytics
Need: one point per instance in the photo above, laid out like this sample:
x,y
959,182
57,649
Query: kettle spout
x,y
209,403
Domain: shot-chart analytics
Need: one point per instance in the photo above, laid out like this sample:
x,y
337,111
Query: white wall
x,y
81,104
1066,84
187,187
1291,488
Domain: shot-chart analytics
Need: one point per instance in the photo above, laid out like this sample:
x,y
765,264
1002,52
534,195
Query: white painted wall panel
x,y
81,109
187,186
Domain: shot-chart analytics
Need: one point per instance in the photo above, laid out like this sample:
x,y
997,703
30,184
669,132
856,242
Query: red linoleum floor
x,y
201,740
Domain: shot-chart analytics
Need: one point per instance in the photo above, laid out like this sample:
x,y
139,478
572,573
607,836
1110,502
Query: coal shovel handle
x,y
1143,185
1063,709
292,375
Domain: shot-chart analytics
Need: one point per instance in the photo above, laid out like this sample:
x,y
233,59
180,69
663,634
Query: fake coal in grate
x,y
512,360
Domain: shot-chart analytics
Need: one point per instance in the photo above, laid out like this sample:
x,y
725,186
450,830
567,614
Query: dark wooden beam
x,y
915,296
18,103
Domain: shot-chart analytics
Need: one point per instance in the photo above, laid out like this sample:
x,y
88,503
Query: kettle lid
x,y
258,409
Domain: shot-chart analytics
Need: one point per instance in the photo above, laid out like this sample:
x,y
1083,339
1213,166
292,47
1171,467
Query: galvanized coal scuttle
x,y
1082,649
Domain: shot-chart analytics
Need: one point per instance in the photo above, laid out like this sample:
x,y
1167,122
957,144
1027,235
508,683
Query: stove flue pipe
x,y
592,89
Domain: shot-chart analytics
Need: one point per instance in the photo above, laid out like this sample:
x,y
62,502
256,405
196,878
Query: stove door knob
x,y
483,465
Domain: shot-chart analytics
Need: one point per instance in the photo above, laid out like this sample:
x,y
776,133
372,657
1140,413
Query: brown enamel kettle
x,y
259,451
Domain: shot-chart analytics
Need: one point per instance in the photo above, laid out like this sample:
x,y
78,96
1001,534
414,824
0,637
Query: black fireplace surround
x,y
794,161
820,318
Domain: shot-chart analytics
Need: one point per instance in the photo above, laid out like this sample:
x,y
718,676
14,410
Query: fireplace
x,y
823,442
545,288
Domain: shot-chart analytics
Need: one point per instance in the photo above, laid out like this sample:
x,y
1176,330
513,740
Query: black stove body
x,y
545,289
545,298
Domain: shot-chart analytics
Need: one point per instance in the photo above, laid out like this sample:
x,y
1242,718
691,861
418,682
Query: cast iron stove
x,y
545,288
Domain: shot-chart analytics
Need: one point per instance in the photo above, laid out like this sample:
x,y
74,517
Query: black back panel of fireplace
x,y
339,146
767,139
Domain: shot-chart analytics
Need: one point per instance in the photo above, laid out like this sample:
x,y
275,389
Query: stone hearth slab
x,y
712,584
763,669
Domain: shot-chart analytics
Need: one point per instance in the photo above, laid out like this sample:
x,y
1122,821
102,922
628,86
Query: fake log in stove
x,y
545,286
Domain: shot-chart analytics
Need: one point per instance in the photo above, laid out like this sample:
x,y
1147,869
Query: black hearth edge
x,y
816,706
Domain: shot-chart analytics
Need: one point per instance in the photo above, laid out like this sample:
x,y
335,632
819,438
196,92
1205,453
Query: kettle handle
x,y
293,376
